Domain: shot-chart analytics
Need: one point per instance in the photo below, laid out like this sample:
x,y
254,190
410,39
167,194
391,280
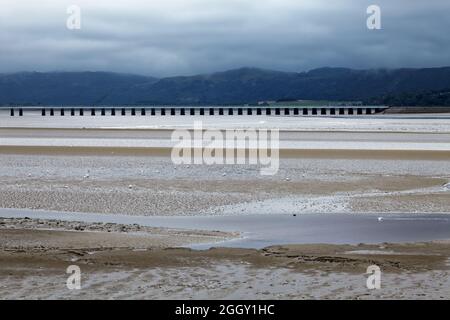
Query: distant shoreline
x,y
425,109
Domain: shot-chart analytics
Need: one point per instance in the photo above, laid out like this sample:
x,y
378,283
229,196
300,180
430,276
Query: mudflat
x,y
152,185
339,167
126,266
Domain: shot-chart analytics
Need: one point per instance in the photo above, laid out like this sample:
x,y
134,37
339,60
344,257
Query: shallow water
x,y
259,231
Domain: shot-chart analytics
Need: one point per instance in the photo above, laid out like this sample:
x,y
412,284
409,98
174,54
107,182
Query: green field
x,y
314,103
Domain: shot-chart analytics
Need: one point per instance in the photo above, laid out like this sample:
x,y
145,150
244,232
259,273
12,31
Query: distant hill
x,y
246,85
65,88
440,98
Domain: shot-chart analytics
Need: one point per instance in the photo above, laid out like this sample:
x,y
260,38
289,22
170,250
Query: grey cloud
x,y
172,37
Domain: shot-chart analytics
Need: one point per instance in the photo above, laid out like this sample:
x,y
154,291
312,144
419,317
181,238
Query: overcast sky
x,y
183,37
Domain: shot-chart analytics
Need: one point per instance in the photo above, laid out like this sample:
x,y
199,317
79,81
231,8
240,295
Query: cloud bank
x,y
183,37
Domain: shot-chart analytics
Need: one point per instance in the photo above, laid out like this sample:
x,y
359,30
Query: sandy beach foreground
x,y
116,266
401,168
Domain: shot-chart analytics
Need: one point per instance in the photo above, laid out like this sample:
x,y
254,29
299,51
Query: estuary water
x,y
259,231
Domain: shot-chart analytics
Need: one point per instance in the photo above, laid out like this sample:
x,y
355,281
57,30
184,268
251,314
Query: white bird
x,y
380,219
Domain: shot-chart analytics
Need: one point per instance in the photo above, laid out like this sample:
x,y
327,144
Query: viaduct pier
x,y
53,111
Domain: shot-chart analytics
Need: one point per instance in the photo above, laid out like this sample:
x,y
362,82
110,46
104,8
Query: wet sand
x,y
26,233
404,169
438,155
123,265
293,143
33,269
144,185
